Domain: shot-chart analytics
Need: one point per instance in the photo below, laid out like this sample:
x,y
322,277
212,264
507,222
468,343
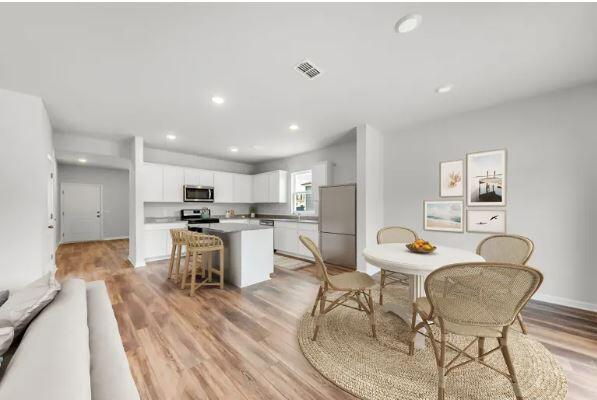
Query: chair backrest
x,y
511,249
321,271
201,242
396,234
476,293
178,235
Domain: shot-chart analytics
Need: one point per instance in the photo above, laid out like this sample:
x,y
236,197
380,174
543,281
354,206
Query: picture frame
x,y
443,215
486,183
451,178
486,221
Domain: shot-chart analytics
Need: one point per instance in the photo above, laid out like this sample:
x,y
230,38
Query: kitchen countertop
x,y
162,220
223,218
229,228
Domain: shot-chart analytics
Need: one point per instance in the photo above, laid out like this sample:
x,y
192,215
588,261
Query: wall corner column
x,y
136,209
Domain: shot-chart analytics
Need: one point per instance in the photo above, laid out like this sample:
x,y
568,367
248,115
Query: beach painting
x,y
486,221
451,178
486,178
443,216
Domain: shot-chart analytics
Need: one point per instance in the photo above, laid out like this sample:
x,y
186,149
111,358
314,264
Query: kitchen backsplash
x,y
159,210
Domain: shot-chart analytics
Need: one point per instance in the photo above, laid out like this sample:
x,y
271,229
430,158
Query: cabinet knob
x,y
50,226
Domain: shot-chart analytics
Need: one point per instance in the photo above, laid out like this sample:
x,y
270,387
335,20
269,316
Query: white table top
x,y
396,257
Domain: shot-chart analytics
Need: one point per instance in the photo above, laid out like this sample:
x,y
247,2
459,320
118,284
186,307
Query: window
x,y
302,193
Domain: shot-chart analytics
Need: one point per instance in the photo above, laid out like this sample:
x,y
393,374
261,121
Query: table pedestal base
x,y
416,289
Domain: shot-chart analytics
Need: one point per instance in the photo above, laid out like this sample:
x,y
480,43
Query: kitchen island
x,y
249,252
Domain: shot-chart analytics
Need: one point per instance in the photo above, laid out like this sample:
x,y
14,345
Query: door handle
x,y
50,226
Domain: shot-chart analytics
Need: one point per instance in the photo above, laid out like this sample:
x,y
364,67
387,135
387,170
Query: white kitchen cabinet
x,y
198,177
277,186
287,233
173,184
223,187
285,239
153,182
312,232
243,188
155,243
260,188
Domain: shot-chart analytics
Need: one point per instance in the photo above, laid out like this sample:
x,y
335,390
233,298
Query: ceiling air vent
x,y
307,69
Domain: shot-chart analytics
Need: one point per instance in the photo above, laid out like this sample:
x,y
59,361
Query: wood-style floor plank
x,y
241,344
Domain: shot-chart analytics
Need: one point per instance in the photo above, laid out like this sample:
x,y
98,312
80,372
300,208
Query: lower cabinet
x,y
157,240
286,237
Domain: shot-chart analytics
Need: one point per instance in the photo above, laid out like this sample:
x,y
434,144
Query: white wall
x,y
98,152
190,160
115,194
342,158
26,162
551,142
370,191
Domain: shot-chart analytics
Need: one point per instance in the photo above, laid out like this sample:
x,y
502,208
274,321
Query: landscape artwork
x,y
486,221
451,178
486,177
443,216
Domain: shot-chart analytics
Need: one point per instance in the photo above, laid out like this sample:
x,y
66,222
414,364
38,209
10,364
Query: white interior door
x,y
81,209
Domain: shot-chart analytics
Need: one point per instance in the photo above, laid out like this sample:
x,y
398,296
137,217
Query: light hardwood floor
x,y
233,344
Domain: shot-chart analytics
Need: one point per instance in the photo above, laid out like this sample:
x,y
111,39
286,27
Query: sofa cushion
x,y
6,336
110,375
52,360
25,303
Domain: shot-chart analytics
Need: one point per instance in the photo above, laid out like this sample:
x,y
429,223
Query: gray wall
x,y
193,161
342,157
115,194
551,196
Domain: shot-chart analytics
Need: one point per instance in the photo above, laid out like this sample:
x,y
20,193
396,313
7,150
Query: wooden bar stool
x,y
178,241
201,248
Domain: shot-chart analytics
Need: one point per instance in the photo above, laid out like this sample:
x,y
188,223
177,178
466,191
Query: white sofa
x,y
71,351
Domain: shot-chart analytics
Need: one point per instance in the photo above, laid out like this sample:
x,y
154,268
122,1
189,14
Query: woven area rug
x,y
289,263
347,355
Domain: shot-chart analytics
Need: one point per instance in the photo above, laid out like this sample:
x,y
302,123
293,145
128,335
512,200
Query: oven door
x,y
198,194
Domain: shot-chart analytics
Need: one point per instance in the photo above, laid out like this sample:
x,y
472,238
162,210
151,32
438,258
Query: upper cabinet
x,y
223,187
243,188
320,176
153,182
198,177
164,183
173,183
270,187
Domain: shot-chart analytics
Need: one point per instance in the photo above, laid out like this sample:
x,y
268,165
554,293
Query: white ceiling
x,y
116,70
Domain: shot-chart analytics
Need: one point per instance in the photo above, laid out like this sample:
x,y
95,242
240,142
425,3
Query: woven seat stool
x,y
200,251
178,237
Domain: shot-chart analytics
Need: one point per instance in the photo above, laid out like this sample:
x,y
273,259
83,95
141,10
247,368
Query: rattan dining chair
x,y
478,309
507,249
356,286
394,234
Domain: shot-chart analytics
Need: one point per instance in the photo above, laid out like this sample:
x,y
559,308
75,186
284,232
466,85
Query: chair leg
x,y
381,286
320,316
503,341
183,280
222,269
441,368
481,348
178,264
523,326
372,315
171,263
193,277
316,302
413,325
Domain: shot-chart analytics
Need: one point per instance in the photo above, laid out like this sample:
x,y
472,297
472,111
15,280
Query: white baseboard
x,y
116,238
141,264
562,301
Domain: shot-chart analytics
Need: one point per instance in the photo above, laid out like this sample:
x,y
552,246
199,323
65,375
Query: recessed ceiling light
x,y
408,23
82,160
444,89
233,149
170,136
293,127
217,100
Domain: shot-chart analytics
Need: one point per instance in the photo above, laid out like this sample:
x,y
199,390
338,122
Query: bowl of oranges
x,y
421,246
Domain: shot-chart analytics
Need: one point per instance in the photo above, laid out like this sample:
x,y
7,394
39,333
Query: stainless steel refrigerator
x,y
338,224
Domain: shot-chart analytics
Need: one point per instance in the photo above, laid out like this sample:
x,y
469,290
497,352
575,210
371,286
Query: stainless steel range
x,y
197,219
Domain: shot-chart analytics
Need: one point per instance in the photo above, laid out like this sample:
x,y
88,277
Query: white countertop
x,y
228,228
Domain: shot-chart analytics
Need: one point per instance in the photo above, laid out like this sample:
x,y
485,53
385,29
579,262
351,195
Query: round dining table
x,y
395,257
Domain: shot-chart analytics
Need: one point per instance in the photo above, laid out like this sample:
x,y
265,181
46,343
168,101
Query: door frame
x,y
62,224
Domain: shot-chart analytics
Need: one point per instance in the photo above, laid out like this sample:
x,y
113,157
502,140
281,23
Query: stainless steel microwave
x,y
198,193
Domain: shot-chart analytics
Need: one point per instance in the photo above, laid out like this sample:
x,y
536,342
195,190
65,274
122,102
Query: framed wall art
x,y
444,215
486,221
451,178
486,178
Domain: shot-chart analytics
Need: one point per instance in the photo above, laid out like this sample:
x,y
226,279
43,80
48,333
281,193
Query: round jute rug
x,y
347,355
